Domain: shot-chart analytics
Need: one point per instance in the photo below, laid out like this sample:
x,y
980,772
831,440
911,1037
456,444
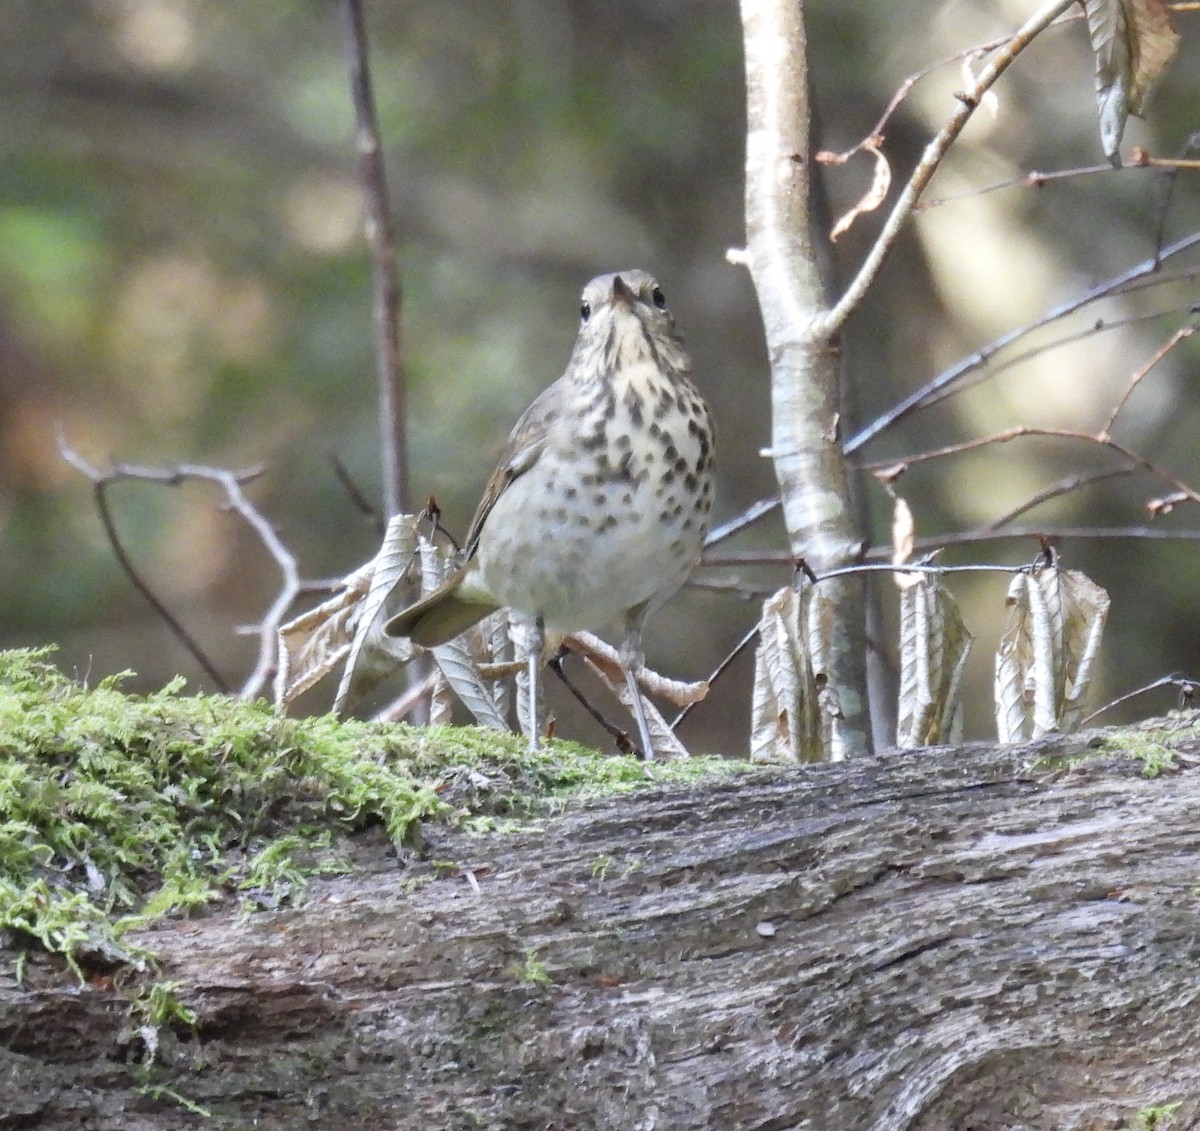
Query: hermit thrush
x,y
600,503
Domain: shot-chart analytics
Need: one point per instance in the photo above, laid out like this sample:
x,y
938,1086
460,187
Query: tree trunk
x,y
806,417
955,939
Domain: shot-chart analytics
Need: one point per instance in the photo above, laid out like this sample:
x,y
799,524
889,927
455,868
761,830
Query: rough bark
x,y
960,938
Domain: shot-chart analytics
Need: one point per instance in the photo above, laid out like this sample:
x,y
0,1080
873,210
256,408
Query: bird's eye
x,y
585,311
660,300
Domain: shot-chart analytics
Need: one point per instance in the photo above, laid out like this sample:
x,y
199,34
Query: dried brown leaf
x,y
934,645
786,711
903,536
373,656
317,641
459,660
1134,42
1157,44
1043,664
881,182
1088,606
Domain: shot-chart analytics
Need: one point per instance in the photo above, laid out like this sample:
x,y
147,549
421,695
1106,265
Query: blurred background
x,y
183,278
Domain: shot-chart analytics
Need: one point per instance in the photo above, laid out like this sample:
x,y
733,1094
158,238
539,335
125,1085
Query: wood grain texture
x,y
953,939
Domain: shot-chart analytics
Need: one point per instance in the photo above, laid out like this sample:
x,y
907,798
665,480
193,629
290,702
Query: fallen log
x,y
968,938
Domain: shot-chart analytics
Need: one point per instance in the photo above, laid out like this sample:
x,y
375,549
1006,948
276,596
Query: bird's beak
x,y
622,293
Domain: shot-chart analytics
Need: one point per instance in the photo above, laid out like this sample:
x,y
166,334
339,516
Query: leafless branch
x,y
1187,691
100,484
621,737
1033,179
231,483
1180,335
748,517
357,495
1134,277
932,542
388,294
734,585
1064,486
414,697
932,157
719,671
1139,159
1186,306
1100,439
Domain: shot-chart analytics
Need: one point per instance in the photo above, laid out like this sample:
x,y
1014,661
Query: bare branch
x,y
101,481
933,542
1056,490
1142,274
1099,326
231,483
932,157
1180,335
1033,179
750,515
1187,691
357,495
1101,439
719,671
388,294
412,698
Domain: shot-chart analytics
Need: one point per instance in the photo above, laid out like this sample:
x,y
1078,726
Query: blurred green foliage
x,y
183,278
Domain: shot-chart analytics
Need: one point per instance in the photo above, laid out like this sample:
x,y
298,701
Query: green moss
x,y
1155,744
117,810
1156,757
1156,1118
159,1005
532,970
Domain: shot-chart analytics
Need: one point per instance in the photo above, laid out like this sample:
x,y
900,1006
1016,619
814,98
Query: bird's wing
x,y
525,445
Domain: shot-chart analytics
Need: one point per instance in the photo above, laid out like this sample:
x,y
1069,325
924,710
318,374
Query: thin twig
x,y
1180,335
1101,439
1131,278
1065,533
1056,490
968,538
231,483
1168,181
101,481
620,737
388,294
719,671
750,515
1099,326
929,163
1186,686
1037,178
411,699
734,585
357,495
1033,179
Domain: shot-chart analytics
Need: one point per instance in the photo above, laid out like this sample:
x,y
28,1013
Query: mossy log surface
x,y
955,939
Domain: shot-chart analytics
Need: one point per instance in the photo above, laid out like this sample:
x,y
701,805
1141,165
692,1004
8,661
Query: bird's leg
x,y
631,660
537,642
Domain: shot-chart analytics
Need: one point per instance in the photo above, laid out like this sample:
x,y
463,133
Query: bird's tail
x,y
440,615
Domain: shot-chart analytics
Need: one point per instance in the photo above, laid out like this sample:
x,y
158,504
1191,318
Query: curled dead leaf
x,y
881,182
